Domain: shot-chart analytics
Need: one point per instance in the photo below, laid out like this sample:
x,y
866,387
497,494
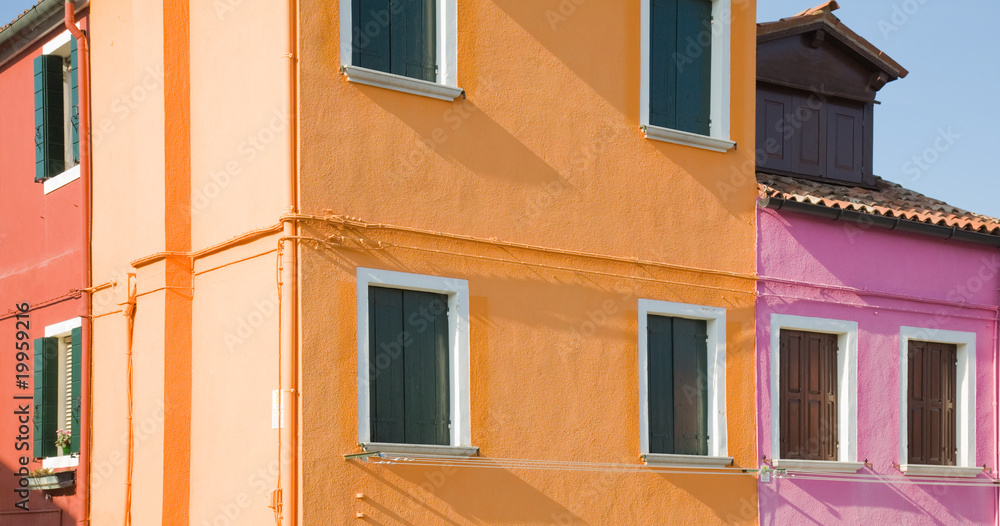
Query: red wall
x,y
41,251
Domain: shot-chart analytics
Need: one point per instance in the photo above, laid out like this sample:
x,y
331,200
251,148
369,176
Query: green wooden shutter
x,y
49,134
680,64
387,406
663,63
370,34
409,390
677,385
77,364
690,387
660,364
414,40
425,316
46,396
694,78
74,100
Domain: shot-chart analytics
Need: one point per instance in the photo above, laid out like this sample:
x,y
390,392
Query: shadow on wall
x,y
718,493
813,502
463,134
567,28
486,494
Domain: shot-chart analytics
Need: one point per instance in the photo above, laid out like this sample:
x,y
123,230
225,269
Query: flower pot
x,y
64,451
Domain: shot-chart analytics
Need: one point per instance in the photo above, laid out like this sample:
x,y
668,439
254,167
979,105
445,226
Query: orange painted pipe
x,y
83,55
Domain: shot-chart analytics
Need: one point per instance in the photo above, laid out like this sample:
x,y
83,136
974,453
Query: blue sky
x,y
936,129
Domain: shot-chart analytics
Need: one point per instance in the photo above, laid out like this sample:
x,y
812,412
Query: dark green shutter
x,y
660,384
370,34
385,318
426,364
694,78
46,396
409,365
414,40
74,100
690,387
662,63
77,364
50,156
396,36
680,64
677,386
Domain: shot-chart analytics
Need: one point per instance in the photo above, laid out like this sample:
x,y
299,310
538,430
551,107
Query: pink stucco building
x,y
877,309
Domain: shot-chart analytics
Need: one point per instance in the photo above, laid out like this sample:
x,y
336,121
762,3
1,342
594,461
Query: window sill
x,y
382,79
688,139
420,450
58,181
66,461
940,471
817,466
660,459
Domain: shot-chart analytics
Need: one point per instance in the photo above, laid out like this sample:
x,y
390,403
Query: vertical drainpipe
x,y
83,52
289,473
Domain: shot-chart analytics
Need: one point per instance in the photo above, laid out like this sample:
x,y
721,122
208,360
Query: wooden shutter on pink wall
x,y
931,398
808,395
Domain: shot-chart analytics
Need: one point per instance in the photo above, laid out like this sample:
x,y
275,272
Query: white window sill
x,y
659,459
940,471
382,79
67,461
419,450
817,466
688,139
56,182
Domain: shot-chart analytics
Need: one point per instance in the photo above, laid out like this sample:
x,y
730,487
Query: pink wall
x,y
802,248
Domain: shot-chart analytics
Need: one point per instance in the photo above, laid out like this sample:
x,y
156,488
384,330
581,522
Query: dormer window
x,y
816,87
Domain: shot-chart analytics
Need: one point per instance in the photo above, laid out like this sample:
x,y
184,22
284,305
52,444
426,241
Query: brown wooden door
x,y
931,378
808,395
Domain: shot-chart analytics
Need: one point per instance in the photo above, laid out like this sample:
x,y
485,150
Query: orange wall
x,y
545,150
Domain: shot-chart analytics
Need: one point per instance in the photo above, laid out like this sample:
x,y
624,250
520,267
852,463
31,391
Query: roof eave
x,y
953,233
34,25
859,45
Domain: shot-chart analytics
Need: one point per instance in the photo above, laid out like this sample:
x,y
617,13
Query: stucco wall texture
x,y
544,149
804,249
179,90
41,260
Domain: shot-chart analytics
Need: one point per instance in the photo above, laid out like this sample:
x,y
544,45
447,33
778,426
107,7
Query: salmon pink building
x,y
877,309
43,267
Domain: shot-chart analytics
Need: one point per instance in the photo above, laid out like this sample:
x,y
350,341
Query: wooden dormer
x,y
816,87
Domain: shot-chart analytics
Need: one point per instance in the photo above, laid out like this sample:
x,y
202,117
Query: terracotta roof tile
x,y
889,200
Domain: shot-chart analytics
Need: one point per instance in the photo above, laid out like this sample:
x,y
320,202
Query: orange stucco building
x,y
271,188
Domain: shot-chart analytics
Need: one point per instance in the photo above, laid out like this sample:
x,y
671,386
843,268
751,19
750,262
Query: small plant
x,y
40,472
63,438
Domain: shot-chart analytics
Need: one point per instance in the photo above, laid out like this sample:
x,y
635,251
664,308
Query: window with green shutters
x,y
677,385
680,65
396,36
57,114
409,366
57,369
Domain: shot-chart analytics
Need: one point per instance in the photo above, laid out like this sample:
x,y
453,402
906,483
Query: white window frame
x,y
965,394
847,392
61,330
716,381
457,291
718,138
60,45
446,87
